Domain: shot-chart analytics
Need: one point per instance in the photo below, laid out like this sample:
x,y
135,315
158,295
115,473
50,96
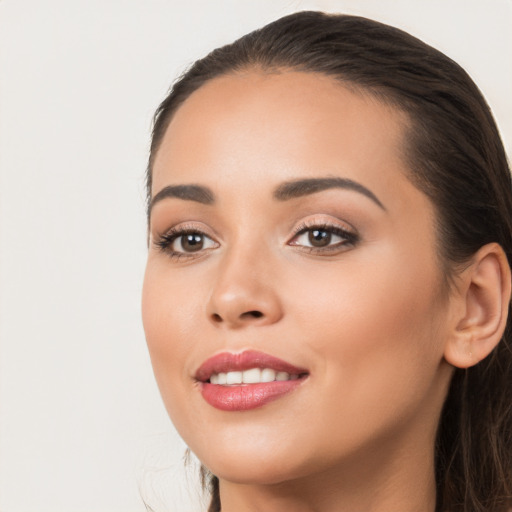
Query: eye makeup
x,y
319,237
185,241
324,237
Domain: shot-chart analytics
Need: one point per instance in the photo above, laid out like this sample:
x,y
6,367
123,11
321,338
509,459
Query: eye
x,y
184,242
191,242
323,237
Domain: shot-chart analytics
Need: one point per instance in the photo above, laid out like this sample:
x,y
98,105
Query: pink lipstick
x,y
247,380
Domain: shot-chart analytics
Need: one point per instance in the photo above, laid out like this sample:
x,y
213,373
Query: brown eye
x,y
324,238
185,242
319,238
190,242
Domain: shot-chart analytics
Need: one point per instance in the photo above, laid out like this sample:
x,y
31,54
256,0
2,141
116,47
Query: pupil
x,y
319,238
192,242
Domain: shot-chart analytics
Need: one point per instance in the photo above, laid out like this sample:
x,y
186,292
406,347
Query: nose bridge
x,y
244,291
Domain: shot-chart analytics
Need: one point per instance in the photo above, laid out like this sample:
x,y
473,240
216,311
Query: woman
x,y
328,279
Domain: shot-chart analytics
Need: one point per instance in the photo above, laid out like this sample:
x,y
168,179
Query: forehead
x,y
265,125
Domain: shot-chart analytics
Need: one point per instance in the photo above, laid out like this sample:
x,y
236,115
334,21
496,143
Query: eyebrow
x,y
197,193
303,187
284,192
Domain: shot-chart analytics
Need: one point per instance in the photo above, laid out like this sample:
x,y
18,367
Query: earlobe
x,y
485,295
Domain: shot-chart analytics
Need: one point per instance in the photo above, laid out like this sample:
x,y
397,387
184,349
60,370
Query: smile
x,y
247,380
252,376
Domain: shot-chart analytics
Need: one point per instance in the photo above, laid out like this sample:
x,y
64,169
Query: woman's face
x,y
301,248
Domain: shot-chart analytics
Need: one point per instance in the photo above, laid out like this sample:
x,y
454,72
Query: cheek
x,y
381,296
374,327
170,317
171,305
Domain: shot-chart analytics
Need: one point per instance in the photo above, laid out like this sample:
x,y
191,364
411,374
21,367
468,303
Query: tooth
x,y
282,376
234,378
251,376
294,377
268,375
214,379
221,378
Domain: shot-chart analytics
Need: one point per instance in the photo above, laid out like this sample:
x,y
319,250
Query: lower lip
x,y
247,396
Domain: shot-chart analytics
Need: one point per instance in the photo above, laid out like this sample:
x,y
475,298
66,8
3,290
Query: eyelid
x,y
163,241
187,227
336,227
323,222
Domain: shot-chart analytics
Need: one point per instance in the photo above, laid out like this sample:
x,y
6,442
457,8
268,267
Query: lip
x,y
245,397
230,362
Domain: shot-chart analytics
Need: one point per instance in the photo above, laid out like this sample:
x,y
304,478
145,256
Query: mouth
x,y
251,376
247,380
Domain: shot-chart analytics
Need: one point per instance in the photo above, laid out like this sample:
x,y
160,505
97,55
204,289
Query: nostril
x,y
254,314
248,315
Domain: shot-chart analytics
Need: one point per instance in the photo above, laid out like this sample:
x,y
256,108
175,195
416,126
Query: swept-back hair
x,y
455,156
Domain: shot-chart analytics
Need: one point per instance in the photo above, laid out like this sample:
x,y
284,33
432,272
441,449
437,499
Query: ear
x,y
483,299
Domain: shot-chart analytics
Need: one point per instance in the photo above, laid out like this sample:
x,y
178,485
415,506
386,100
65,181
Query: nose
x,y
244,293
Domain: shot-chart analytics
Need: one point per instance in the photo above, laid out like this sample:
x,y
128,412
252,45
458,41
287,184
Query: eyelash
x,y
165,241
350,239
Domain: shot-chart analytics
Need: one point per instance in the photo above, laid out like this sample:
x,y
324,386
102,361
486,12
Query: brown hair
x,y
457,159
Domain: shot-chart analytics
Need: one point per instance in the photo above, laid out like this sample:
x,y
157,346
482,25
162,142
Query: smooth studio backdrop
x,y
82,428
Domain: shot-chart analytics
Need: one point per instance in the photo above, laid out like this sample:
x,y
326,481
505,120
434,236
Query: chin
x,y
271,471
258,462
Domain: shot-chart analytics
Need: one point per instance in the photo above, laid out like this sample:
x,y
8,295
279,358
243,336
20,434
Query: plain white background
x,y
81,423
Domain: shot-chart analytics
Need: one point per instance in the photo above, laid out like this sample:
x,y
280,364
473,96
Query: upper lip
x,y
232,362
